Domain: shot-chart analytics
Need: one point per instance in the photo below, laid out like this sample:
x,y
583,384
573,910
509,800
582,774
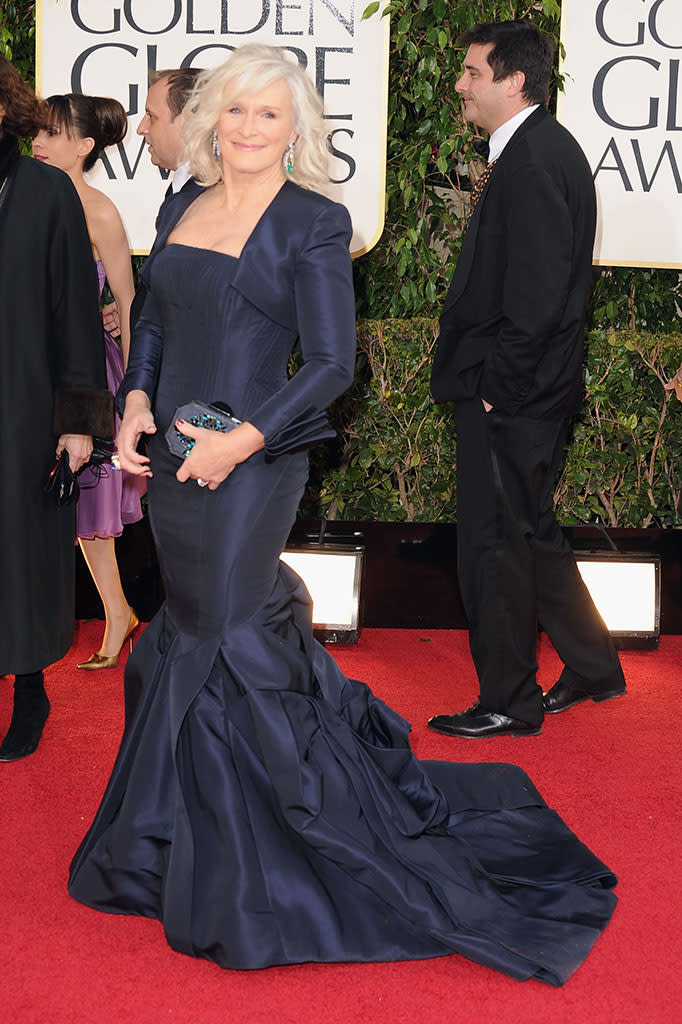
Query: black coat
x,y
512,326
51,351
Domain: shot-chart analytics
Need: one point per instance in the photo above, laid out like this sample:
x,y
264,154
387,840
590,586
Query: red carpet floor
x,y
611,770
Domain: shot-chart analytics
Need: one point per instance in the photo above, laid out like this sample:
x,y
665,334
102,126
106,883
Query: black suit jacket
x,y
512,326
170,210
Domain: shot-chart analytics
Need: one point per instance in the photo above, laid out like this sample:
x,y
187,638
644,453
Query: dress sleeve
x,y
294,417
146,344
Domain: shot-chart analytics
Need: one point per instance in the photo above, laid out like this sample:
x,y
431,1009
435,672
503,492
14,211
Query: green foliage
x,y
396,456
625,298
17,34
397,450
623,466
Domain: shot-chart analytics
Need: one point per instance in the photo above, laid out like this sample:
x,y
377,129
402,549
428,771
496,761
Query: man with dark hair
x,y
510,356
179,84
162,128
513,45
164,119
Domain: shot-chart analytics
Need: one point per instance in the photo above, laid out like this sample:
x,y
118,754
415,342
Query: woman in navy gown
x,y
265,808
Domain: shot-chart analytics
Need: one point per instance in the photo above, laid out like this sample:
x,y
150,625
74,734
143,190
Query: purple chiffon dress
x,y
108,499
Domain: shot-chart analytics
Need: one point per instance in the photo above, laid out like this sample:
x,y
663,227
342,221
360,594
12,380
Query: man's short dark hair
x,y
517,46
181,81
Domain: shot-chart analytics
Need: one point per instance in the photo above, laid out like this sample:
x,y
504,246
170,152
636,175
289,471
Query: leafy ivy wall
x,y
395,455
17,35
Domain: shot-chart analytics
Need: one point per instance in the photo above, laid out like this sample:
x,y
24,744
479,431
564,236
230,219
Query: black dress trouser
x,y
515,565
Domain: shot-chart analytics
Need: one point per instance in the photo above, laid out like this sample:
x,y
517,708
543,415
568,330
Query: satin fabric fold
x,y
290,822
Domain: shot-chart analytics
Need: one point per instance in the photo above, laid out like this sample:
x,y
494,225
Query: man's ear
x,y
516,83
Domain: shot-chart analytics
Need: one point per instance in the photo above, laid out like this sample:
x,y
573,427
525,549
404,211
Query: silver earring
x,y
289,157
214,145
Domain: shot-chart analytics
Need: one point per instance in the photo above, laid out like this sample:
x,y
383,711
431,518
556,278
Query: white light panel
x,y
332,579
624,592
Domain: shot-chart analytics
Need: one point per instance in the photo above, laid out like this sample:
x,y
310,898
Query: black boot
x,y
31,708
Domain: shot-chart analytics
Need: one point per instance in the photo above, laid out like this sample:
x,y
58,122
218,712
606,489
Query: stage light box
x,y
332,574
627,591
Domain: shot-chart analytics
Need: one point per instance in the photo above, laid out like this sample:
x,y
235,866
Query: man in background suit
x,y
510,355
162,127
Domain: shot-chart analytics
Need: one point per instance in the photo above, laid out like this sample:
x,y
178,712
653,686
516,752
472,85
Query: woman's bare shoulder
x,y
99,207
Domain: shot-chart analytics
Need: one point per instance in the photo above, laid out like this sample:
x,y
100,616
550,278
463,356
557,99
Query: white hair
x,y
249,69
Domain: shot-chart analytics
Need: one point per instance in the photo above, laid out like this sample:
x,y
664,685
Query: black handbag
x,y
62,482
103,449
201,414
103,452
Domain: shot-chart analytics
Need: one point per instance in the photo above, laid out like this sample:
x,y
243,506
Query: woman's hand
x,y
137,420
216,454
111,321
79,447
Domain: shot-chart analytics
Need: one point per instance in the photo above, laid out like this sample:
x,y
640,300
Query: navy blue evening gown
x,y
265,808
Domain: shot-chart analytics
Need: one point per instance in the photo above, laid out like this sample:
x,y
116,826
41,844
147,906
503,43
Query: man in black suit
x,y
510,356
162,128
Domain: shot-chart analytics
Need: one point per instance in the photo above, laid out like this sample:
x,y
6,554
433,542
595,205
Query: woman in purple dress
x,y
79,128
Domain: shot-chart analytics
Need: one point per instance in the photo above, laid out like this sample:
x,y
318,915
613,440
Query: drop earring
x,y
214,145
289,157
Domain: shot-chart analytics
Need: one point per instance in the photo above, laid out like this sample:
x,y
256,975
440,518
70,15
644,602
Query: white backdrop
x,y
104,48
623,102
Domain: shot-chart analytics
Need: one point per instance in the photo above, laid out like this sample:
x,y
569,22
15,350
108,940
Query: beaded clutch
x,y
201,414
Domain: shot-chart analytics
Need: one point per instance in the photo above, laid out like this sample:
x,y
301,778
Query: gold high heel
x,y
96,660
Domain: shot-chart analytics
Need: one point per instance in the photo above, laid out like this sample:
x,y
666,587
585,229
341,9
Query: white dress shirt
x,y
501,136
181,176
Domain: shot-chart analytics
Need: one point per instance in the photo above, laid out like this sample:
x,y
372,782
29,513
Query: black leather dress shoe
x,y
563,696
475,721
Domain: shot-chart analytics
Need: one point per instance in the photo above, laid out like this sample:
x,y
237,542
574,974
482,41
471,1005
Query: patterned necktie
x,y
477,190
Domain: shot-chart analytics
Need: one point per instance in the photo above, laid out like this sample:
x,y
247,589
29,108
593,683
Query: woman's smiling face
x,y
255,128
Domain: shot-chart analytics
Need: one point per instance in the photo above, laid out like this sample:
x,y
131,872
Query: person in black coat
x,y
510,355
53,397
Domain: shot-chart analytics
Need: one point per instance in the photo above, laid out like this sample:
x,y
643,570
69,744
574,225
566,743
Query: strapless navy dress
x,y
264,807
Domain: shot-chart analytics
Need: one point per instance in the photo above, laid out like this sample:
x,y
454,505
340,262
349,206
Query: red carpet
x,y
611,770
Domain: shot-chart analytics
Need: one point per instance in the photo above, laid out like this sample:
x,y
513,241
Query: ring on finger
x,y
202,483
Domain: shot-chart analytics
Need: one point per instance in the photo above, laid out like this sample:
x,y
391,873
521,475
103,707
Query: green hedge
x,y
395,455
